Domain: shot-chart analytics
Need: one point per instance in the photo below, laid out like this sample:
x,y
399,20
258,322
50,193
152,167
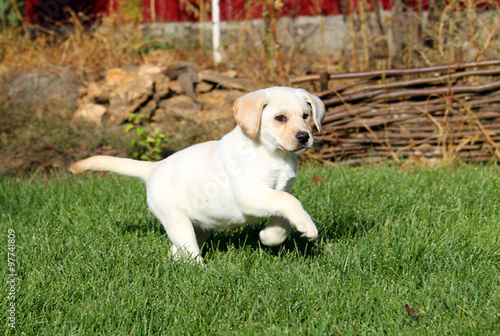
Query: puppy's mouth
x,y
300,150
297,150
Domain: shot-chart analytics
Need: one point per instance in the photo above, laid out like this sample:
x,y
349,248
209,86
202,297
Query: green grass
x,y
92,260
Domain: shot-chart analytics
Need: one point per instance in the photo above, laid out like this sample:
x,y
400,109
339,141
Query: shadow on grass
x,y
349,226
248,236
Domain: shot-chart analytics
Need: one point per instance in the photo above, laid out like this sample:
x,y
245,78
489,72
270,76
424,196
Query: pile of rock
x,y
160,94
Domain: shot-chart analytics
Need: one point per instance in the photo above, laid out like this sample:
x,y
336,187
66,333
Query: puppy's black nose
x,y
303,137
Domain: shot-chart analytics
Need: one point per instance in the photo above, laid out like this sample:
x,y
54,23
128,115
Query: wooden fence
x,y
432,113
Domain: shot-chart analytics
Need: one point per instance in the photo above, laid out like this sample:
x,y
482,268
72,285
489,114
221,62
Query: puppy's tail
x,y
122,166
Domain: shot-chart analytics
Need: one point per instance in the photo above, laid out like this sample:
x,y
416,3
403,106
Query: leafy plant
x,y
145,145
10,15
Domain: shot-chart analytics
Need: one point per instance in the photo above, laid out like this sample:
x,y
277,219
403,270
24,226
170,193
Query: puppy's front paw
x,y
308,229
311,233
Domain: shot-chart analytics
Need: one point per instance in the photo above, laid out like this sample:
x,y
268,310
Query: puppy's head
x,y
280,117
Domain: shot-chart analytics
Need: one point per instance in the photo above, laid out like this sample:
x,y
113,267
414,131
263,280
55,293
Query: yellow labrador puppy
x,y
242,178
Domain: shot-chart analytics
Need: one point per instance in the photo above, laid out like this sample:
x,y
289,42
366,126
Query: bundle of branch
x,y
433,113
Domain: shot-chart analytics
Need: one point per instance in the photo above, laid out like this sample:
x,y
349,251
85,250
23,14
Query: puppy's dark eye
x,y
280,118
305,116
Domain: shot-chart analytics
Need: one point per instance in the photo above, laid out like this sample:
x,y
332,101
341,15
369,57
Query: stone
x,y
40,88
96,93
148,109
162,86
149,70
177,102
230,73
203,87
176,87
91,113
226,81
180,106
159,94
127,96
218,104
117,76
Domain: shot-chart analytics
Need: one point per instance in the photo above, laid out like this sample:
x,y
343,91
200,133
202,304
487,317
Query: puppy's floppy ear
x,y
317,106
247,111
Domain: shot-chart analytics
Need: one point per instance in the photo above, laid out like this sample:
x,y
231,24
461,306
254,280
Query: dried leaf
x,y
411,311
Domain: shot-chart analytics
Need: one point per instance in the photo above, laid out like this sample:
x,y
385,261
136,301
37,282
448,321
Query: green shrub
x,y
145,145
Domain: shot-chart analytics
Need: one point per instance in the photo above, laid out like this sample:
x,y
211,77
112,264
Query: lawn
x,y
91,260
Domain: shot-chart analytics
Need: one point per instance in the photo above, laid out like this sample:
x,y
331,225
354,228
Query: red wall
x,y
39,11
46,11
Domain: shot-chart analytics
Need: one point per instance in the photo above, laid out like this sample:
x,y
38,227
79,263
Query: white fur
x,y
240,179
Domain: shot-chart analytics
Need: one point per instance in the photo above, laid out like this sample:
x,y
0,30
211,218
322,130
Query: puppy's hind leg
x,y
182,234
275,232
